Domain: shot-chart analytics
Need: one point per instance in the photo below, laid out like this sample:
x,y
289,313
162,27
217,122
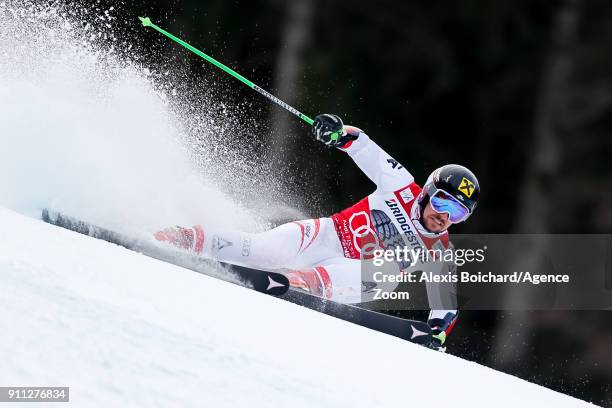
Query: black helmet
x,y
455,180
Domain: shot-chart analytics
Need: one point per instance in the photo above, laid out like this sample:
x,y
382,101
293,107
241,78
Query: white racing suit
x,y
325,253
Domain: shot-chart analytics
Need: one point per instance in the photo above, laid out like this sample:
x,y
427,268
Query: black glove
x,y
438,337
329,129
438,331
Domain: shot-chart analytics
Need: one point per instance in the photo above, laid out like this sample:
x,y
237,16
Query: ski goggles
x,y
442,202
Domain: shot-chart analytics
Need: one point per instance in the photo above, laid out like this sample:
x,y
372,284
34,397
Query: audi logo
x,y
365,239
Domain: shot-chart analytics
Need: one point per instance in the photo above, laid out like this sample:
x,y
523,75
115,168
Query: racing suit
x,y
333,247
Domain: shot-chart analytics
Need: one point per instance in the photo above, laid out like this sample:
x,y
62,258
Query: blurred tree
x,y
289,68
537,209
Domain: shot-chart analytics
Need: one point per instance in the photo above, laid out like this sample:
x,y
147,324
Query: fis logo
x,y
466,187
406,195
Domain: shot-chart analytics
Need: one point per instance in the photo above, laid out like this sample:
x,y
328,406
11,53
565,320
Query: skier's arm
x,y
378,165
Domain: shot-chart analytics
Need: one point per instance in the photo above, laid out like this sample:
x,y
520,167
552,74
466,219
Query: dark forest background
x,y
519,91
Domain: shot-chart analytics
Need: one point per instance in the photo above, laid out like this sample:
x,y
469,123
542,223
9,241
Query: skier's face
x,y
435,221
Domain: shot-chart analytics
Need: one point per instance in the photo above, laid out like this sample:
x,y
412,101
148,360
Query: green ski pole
x,y
147,23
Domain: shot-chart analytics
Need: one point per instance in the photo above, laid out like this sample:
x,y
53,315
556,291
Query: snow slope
x,y
122,329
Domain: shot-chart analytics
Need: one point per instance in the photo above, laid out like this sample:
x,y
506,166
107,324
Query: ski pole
x,y
146,21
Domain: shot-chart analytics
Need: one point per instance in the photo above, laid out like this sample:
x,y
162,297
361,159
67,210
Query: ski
x,y
271,283
268,282
414,331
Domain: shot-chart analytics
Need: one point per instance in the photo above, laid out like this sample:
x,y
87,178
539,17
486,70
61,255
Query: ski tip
x,y
146,21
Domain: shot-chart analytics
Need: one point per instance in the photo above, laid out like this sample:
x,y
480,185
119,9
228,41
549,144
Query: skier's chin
x,y
433,225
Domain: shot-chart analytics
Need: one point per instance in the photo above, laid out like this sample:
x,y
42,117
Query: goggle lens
x,y
442,202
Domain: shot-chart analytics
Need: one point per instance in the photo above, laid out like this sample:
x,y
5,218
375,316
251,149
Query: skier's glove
x,y
329,129
438,334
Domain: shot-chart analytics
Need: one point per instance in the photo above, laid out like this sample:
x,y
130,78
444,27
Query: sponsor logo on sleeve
x,y
394,164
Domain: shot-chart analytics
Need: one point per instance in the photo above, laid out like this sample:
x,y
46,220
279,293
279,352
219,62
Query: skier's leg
x,y
345,277
292,245
337,279
275,248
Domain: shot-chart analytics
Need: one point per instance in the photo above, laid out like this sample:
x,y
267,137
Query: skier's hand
x,y
438,334
329,130
437,341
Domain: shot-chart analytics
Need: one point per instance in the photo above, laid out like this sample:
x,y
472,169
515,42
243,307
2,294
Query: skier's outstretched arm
x,y
378,165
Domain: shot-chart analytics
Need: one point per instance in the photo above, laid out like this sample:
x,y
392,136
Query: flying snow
x,y
87,131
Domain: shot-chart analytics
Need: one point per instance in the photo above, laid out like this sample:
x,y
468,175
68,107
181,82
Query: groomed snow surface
x,y
121,329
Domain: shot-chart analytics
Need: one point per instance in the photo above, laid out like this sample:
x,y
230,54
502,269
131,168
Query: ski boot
x,y
313,281
188,239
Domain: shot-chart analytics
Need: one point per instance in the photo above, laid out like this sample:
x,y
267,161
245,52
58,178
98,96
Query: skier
x,y
324,255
